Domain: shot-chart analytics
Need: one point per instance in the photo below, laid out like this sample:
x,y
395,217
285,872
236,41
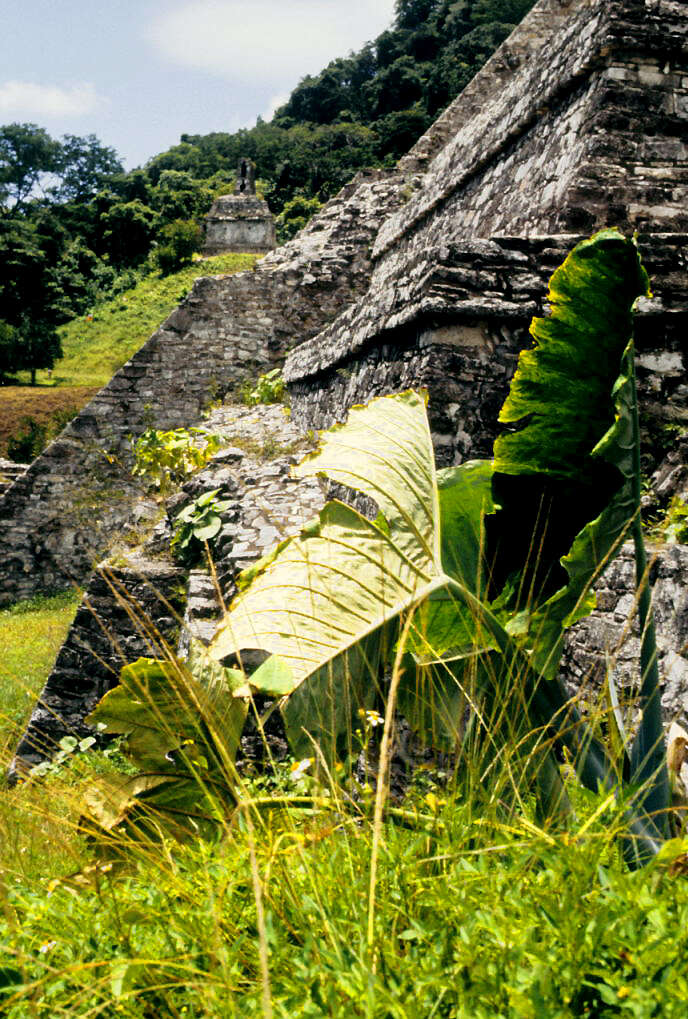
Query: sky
x,y
139,73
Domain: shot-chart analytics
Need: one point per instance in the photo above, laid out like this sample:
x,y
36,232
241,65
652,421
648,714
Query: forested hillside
x,y
75,228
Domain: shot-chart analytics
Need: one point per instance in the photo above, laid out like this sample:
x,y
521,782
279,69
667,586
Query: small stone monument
x,y
240,222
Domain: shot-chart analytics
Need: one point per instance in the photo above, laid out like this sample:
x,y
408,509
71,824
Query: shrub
x,y
295,215
167,458
180,240
197,524
33,437
269,388
26,444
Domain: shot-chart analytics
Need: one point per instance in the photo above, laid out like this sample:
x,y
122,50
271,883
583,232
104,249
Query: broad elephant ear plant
x,y
479,567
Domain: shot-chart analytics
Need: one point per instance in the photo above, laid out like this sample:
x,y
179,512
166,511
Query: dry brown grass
x,y
38,402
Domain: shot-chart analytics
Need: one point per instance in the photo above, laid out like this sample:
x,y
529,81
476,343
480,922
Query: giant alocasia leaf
x,y
181,733
326,601
574,398
573,404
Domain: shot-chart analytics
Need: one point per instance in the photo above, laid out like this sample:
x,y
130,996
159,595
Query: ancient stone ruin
x,y
427,274
242,221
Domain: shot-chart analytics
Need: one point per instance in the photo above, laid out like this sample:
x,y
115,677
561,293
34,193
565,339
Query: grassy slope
x,y
473,919
30,636
478,913
95,348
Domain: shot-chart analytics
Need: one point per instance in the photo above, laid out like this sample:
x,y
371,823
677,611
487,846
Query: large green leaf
x,y
572,401
328,602
182,732
574,398
561,394
384,450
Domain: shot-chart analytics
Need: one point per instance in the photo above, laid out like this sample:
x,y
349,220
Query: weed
x,y
33,436
269,388
197,524
167,458
673,527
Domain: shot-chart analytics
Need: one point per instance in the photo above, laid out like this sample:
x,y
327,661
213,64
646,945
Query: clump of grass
x,y
269,447
480,908
479,912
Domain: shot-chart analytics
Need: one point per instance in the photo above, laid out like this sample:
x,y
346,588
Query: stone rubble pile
x,y
9,472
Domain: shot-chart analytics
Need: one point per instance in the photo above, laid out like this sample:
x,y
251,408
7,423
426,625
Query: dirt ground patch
x,y
41,403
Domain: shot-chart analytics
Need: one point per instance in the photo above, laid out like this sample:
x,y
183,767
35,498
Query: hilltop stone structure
x,y
242,221
424,275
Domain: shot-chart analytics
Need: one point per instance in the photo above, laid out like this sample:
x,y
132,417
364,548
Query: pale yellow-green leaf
x,y
385,451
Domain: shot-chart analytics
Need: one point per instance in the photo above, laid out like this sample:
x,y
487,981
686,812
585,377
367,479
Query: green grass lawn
x,y
30,637
96,347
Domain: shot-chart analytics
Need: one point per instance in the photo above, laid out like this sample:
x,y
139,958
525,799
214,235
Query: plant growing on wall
x,y
198,523
167,458
182,733
269,388
489,561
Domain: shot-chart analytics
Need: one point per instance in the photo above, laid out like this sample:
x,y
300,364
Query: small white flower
x,y
299,768
46,946
374,719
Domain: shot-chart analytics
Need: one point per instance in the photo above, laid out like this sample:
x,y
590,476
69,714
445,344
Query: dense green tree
x,y
27,155
180,240
9,350
128,232
509,12
31,296
399,130
184,157
179,196
397,87
38,344
295,215
85,167
413,13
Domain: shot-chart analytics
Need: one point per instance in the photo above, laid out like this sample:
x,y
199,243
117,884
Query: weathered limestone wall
x,y
9,472
610,637
76,498
589,129
134,606
455,322
545,21
580,121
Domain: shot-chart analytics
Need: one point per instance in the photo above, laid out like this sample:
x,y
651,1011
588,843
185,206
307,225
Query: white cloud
x,y
28,99
266,40
274,105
